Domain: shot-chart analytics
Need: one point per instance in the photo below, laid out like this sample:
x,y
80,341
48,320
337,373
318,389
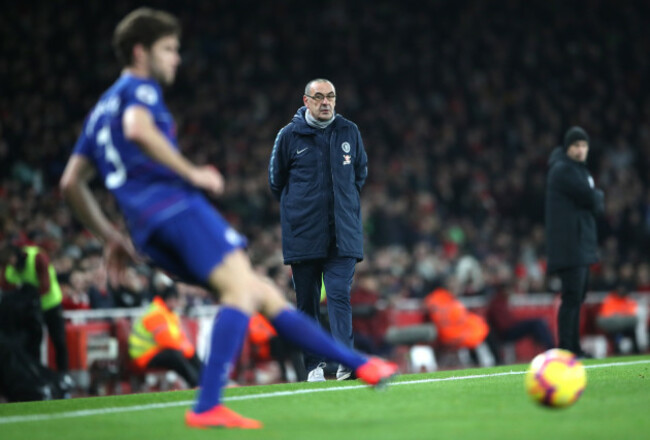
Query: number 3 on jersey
x,y
114,179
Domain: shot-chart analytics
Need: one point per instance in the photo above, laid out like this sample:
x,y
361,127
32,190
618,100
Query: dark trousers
x,y
188,368
281,350
33,332
337,273
574,290
535,328
56,329
21,318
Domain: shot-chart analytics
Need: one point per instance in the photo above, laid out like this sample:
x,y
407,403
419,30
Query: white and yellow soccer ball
x,y
555,378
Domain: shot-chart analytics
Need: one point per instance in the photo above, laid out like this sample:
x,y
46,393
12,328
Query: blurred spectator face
x,y
643,275
62,264
627,271
98,277
132,281
321,100
578,151
78,281
163,59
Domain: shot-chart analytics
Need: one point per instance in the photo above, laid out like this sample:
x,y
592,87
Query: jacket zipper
x,y
333,191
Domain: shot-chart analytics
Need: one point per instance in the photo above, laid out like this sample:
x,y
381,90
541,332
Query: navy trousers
x,y
535,328
337,273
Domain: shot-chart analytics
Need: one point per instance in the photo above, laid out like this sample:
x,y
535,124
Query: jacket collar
x,y
559,155
301,126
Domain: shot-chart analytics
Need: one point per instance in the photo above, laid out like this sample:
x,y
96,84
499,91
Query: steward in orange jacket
x,y
615,304
260,334
457,327
158,340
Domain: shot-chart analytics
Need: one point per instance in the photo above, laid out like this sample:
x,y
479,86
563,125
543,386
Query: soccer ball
x,y
555,378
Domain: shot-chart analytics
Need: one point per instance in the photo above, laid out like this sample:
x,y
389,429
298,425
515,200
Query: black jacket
x,y
317,175
572,202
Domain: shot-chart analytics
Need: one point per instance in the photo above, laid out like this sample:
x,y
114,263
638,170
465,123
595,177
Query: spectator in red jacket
x,y
509,328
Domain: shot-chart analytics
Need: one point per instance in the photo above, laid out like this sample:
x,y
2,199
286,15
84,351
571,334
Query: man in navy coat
x,y
317,169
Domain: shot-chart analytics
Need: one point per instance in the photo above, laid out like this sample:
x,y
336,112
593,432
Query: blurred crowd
x,y
459,105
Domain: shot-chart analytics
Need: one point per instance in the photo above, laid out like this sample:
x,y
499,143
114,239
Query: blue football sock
x,y
228,332
307,334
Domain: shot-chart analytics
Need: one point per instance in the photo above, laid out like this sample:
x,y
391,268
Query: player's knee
x,y
271,300
250,293
240,295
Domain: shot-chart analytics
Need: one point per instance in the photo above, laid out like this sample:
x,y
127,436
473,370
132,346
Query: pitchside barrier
x,y
98,339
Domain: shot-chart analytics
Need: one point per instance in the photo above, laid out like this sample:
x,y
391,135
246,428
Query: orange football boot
x,y
377,372
220,417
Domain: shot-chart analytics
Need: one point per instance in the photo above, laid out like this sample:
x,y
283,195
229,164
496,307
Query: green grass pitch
x,y
487,403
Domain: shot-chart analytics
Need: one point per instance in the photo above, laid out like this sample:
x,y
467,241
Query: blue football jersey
x,y
147,192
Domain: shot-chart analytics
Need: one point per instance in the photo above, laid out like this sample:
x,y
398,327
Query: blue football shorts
x,y
192,243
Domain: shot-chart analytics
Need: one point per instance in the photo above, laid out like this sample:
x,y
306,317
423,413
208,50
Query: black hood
x,y
559,155
556,155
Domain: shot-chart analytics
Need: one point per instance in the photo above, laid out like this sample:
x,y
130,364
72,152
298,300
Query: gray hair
x,y
317,80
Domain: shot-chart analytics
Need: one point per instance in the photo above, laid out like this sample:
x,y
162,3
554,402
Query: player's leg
x,y
238,294
199,246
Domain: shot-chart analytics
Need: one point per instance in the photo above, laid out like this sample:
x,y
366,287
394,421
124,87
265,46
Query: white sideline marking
x,y
94,412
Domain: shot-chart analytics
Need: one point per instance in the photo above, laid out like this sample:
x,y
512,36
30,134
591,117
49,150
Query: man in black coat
x,y
572,202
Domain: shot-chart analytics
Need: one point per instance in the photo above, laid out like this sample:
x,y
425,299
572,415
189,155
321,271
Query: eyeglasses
x,y
319,97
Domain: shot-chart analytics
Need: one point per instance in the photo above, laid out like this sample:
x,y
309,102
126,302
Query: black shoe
x,y
583,355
